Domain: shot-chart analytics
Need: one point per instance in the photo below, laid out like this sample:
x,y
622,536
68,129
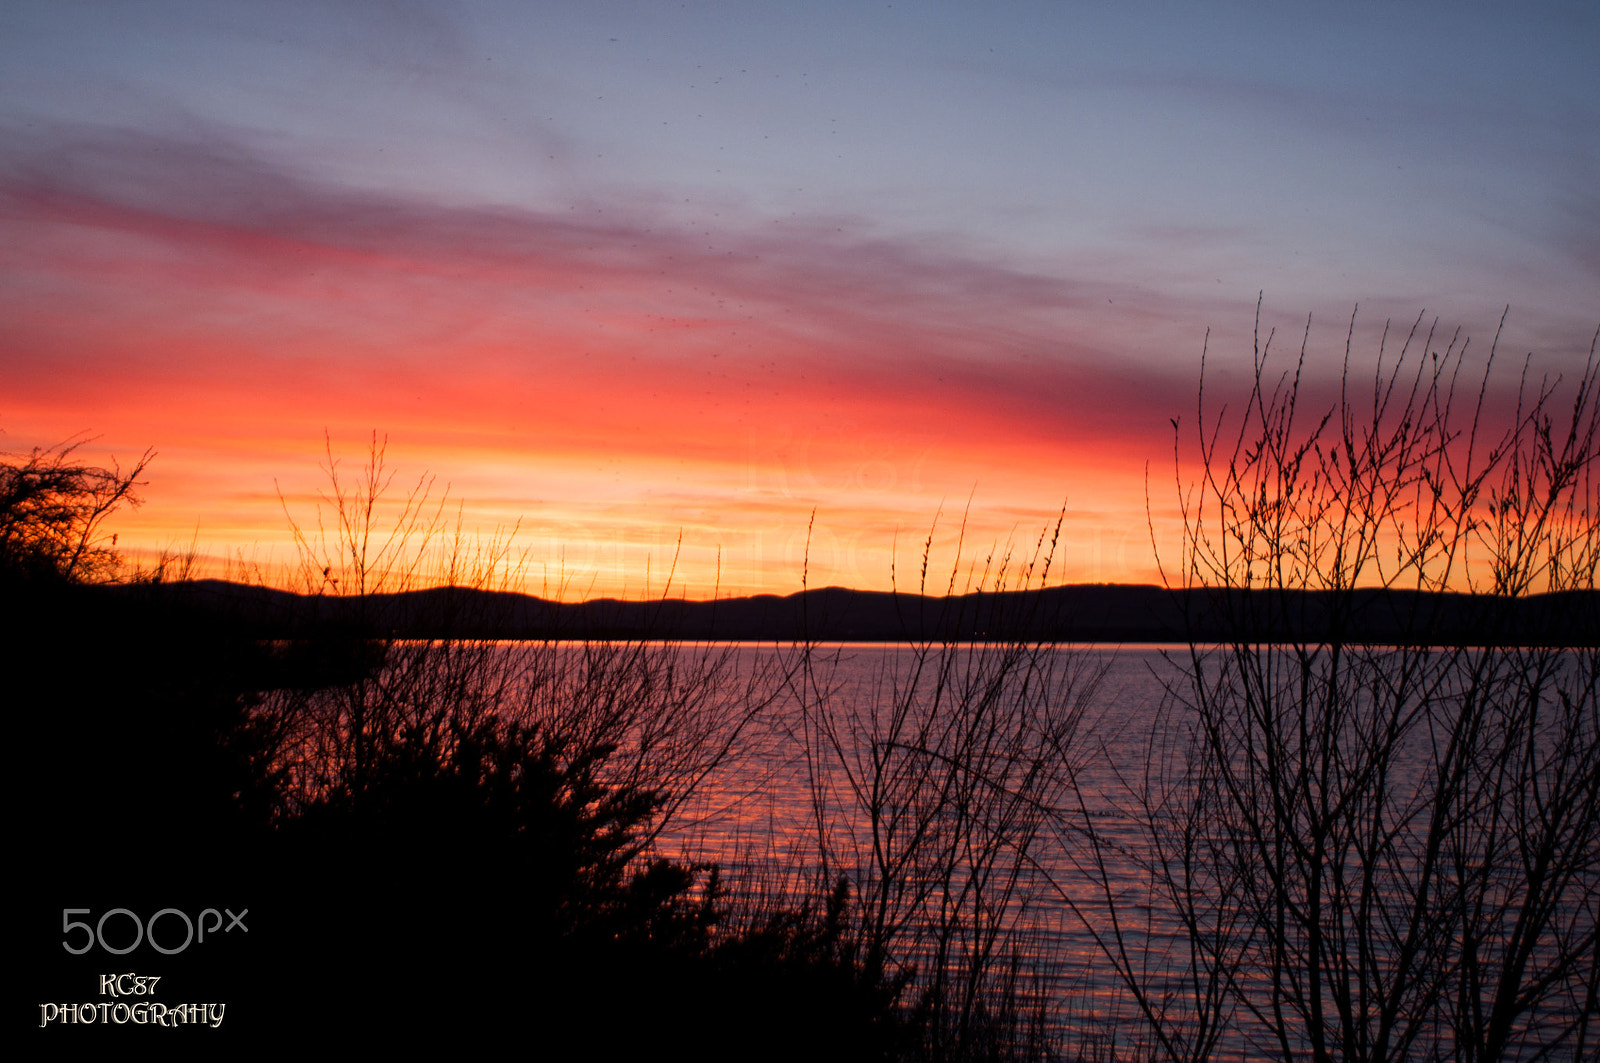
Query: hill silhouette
x,y
1084,613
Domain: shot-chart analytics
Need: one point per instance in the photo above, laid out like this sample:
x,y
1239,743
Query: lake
x,y
1003,809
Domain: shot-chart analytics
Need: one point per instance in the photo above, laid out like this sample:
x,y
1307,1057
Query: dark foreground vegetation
x,y
442,843
1343,847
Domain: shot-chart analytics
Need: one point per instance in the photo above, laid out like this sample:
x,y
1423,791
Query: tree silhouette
x,y
52,514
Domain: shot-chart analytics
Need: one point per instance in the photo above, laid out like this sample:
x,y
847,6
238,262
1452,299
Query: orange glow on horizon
x,y
612,401
584,526
604,406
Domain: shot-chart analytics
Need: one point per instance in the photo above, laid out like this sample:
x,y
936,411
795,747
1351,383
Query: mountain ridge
x,y
1085,612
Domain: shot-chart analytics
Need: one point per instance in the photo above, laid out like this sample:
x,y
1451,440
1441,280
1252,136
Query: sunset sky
x,y
621,274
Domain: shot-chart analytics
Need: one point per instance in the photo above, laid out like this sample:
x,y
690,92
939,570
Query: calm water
x,y
764,820
909,772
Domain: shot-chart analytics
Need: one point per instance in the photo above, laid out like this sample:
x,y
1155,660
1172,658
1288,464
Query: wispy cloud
x,y
610,367
816,308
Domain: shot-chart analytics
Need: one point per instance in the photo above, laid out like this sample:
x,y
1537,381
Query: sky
x,y
723,298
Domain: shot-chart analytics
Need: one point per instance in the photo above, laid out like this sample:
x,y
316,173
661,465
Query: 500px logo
x,y
95,934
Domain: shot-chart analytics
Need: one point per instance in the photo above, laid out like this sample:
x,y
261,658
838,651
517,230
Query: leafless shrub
x,y
651,720
933,790
1380,851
